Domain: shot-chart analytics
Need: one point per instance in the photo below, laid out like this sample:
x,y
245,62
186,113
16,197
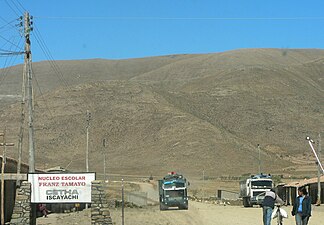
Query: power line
x,y
8,23
12,9
10,42
41,94
49,56
10,53
175,18
7,65
21,6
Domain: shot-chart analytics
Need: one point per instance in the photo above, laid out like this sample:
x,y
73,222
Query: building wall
x,y
10,187
228,195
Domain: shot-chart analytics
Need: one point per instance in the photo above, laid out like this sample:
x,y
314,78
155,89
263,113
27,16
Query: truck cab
x,y
252,189
173,192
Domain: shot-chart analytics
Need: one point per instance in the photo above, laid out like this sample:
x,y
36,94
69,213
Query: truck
x,y
253,188
173,191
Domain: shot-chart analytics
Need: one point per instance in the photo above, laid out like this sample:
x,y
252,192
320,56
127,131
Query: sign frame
x,y
61,187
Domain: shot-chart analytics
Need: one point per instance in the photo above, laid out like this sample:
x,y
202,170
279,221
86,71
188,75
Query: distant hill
x,y
180,112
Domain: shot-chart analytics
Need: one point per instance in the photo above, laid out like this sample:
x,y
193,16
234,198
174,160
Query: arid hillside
x,y
186,113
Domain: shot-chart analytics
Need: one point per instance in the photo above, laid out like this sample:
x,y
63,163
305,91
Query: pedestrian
x,y
268,204
302,207
42,208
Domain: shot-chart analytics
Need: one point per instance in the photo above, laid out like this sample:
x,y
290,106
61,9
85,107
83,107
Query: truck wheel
x,y
246,202
185,207
163,207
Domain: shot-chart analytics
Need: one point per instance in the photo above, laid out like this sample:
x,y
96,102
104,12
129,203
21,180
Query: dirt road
x,y
198,214
205,214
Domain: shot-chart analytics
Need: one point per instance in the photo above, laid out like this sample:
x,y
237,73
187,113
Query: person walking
x,y
268,204
302,207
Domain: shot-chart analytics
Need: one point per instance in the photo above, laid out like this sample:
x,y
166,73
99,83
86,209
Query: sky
x,y
122,29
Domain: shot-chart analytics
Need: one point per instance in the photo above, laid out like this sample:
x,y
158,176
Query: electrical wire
x,y
11,42
41,94
49,56
12,9
8,23
9,61
176,18
57,71
21,6
10,53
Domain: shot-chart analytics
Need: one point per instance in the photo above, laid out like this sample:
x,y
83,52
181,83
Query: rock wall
x,y
22,210
100,214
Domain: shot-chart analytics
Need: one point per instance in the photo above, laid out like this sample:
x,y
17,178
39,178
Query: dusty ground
x,y
198,214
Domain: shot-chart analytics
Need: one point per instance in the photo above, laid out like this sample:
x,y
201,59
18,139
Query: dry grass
x,y
186,113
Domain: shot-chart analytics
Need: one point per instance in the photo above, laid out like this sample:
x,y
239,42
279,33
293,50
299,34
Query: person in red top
x,y
42,208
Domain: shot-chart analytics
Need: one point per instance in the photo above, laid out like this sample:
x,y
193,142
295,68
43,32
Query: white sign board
x,y
61,187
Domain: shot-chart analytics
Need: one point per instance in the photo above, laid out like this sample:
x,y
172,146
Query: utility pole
x,y
87,150
3,164
104,143
259,159
123,204
23,105
27,29
203,185
318,202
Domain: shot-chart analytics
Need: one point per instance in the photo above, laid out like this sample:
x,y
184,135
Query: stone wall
x,y
21,213
100,214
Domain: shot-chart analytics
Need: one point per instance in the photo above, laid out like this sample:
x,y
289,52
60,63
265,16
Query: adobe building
x,y
290,191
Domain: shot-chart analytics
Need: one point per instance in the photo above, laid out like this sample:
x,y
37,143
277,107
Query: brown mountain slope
x,y
187,113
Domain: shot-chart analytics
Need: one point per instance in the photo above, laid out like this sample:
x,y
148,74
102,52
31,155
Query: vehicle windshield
x,y
174,194
173,184
262,184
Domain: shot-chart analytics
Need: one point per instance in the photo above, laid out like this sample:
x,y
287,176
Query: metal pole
x,y
123,204
259,159
2,179
310,142
87,149
318,202
104,143
203,185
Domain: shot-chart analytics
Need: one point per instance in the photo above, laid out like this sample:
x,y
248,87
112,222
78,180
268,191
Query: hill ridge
x,y
183,112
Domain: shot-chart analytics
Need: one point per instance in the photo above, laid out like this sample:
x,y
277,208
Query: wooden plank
x,y
13,176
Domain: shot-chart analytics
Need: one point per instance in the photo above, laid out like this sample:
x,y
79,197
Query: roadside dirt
x,y
198,214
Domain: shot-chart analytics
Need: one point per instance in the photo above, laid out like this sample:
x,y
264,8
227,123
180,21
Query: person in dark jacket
x,y
268,204
302,207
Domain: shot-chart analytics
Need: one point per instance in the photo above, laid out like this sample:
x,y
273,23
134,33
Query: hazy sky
x,y
119,29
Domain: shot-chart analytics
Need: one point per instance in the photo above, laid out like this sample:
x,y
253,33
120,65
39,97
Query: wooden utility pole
x,y
3,163
29,76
